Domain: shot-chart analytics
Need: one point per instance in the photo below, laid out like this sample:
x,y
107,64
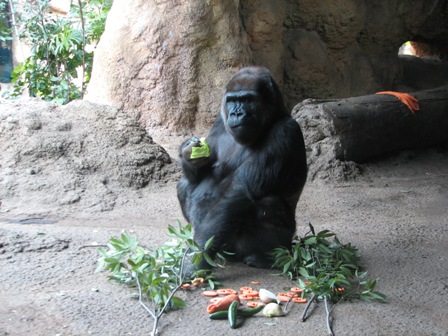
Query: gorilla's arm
x,y
194,168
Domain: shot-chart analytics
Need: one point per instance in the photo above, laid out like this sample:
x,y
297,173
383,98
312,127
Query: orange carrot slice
x,y
296,290
246,297
245,288
197,281
284,297
185,286
251,292
226,291
254,304
209,293
255,282
299,300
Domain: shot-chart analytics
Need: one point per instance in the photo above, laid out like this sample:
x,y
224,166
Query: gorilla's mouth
x,y
237,125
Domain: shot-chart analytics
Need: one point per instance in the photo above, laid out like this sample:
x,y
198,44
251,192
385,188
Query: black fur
x,y
245,193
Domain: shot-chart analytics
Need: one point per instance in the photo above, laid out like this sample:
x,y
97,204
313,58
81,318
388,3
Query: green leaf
x,y
178,302
312,229
303,272
209,260
324,248
296,254
310,240
196,260
209,243
286,267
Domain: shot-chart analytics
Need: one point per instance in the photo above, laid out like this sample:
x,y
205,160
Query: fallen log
x,y
361,128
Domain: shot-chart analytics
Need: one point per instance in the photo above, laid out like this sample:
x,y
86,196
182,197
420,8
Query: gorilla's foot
x,y
257,260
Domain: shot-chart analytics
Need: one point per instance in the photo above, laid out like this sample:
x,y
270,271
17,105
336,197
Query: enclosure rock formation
x,y
339,132
166,63
85,155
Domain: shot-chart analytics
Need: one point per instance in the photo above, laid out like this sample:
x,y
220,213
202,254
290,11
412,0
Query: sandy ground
x,y
396,213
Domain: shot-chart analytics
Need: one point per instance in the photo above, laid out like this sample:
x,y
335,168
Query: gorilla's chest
x,y
229,160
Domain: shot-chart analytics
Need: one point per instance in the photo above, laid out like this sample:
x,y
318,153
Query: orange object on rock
x,y
410,101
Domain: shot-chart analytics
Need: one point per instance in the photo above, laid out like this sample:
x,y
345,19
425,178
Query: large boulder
x,y
83,155
167,62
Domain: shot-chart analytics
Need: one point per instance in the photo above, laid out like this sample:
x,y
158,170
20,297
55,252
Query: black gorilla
x,y
245,193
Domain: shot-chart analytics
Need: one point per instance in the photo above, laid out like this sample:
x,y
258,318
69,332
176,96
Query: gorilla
x,y
245,191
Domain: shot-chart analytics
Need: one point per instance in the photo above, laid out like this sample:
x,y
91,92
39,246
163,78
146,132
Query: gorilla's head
x,y
251,105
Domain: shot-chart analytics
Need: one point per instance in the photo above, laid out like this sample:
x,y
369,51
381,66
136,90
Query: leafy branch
x,y
58,49
330,271
157,273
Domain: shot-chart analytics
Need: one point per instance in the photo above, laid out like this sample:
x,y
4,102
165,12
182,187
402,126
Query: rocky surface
x,y
81,156
166,62
395,214
72,177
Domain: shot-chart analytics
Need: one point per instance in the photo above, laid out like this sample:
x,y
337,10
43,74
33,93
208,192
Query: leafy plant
x,y
94,12
5,27
157,273
58,49
330,270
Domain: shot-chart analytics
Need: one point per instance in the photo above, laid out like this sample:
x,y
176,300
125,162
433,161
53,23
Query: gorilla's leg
x,y
275,227
250,229
226,222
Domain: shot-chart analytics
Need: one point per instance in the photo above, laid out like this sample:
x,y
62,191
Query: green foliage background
x,y
58,48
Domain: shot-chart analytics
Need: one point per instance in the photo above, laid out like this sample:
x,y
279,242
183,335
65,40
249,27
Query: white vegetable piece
x,y
267,296
273,310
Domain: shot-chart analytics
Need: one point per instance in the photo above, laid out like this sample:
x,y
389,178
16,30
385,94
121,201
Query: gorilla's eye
x,y
242,97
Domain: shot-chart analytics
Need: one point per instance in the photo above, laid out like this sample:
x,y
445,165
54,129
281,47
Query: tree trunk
x,y
340,133
359,128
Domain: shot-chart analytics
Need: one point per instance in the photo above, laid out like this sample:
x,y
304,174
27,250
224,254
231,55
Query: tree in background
x,y
61,59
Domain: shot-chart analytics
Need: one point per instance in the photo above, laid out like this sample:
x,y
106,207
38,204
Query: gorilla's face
x,y
247,106
243,121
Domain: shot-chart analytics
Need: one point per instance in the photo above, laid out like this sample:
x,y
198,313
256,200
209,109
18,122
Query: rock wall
x,y
167,62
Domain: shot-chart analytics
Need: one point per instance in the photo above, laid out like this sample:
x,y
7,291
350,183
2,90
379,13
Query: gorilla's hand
x,y
187,150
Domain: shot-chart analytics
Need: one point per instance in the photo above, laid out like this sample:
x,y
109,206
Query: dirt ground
x,y
396,213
